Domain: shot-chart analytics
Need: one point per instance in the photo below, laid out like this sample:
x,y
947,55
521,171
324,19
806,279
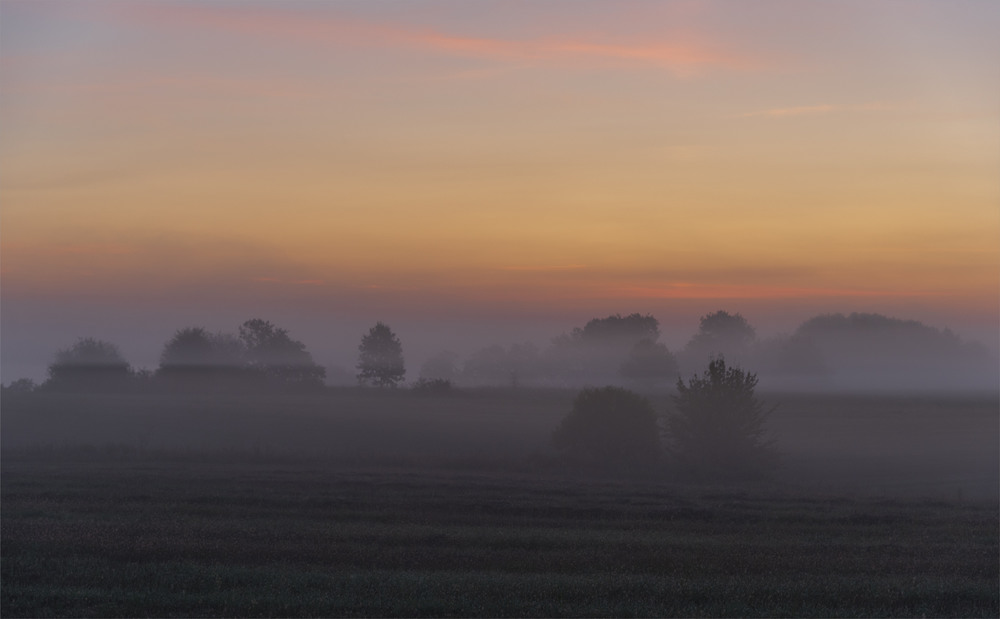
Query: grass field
x,y
248,539
351,504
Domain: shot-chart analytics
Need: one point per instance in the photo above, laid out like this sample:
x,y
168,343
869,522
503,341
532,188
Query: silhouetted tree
x,y
595,353
873,351
867,335
89,365
649,364
722,331
380,361
719,334
196,359
718,430
609,427
272,353
196,347
616,328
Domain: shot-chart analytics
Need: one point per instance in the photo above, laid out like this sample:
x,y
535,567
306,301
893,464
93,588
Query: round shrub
x,y
609,427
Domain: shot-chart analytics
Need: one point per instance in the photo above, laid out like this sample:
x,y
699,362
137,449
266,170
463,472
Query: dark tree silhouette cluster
x,y
616,328
620,349
195,358
275,356
89,365
717,430
261,356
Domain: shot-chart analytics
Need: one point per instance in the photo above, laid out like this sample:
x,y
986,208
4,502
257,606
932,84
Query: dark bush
x,y
717,430
609,427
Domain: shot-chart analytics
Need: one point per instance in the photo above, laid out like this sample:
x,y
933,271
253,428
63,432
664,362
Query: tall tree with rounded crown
x,y
89,365
717,429
380,361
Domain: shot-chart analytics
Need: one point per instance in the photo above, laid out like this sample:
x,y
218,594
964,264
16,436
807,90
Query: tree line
x,y
717,429
259,356
618,350
868,350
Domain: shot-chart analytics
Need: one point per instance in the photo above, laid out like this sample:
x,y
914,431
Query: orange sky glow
x,y
452,158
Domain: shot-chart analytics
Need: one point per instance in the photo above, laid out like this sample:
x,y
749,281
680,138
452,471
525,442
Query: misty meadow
x,y
591,476
575,308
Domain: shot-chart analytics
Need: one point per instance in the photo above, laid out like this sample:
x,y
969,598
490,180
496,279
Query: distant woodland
x,y
828,352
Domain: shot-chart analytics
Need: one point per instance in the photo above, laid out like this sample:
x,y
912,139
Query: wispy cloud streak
x,y
682,57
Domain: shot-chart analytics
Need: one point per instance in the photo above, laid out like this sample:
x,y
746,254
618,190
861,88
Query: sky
x,y
490,172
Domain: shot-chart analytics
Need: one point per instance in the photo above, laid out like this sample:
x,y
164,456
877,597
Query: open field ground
x,y
353,503
943,446
112,538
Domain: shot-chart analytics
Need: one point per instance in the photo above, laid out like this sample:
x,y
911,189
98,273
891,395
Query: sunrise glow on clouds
x,y
467,158
278,25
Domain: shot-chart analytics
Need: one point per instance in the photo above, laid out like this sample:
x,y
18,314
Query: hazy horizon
x,y
334,345
491,172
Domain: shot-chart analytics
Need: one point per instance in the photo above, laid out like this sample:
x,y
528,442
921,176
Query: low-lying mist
x,y
827,353
864,401
942,446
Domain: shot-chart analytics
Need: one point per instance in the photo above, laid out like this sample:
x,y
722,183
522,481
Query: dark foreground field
x,y
148,537
350,503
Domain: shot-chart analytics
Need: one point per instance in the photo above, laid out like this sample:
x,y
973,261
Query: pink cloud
x,y
684,56
681,58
